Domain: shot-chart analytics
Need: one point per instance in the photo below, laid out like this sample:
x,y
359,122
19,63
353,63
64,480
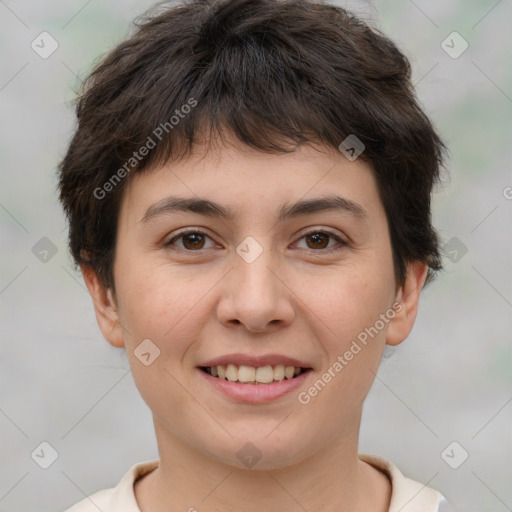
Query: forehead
x,y
236,182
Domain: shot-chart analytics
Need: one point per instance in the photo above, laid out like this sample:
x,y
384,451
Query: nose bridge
x,y
256,296
255,280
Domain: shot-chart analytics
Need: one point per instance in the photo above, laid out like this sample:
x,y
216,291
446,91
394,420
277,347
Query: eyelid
x,y
318,229
341,241
186,231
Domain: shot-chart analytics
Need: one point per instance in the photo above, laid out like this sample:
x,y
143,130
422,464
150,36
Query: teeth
x,y
278,372
246,374
252,375
232,373
265,374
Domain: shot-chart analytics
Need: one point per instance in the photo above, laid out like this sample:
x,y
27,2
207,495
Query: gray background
x,y
60,382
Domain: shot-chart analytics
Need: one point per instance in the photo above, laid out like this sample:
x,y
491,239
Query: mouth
x,y
255,385
254,375
254,379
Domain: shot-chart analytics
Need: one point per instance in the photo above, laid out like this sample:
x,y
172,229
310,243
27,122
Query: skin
x,y
295,299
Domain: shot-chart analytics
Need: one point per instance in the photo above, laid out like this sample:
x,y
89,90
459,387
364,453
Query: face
x,y
297,273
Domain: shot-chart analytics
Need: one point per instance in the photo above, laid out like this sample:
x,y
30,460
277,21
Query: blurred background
x,y
441,405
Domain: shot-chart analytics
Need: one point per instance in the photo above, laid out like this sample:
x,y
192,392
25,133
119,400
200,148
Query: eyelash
x,y
342,243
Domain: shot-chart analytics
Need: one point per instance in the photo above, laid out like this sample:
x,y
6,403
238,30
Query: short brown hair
x,y
276,74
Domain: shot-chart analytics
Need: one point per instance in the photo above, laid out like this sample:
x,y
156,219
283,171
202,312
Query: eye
x,y
192,239
319,240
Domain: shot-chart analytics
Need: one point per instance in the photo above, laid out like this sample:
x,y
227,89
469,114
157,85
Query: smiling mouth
x,y
242,374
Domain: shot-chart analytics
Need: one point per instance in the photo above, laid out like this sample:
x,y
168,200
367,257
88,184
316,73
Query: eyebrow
x,y
173,204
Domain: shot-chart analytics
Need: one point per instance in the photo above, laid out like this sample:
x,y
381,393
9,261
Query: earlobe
x,y
105,307
408,297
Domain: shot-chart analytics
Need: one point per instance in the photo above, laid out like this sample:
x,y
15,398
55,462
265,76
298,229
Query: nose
x,y
256,295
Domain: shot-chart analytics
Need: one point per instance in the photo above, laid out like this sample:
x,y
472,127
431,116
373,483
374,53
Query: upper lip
x,y
256,361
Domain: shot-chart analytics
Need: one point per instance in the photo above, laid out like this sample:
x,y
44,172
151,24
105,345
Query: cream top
x,y
406,496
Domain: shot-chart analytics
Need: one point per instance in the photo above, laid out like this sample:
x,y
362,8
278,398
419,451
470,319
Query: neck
x,y
332,480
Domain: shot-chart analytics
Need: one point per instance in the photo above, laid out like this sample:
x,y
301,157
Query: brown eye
x,y
191,241
318,240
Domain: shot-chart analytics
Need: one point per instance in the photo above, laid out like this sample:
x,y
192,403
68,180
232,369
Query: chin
x,y
257,452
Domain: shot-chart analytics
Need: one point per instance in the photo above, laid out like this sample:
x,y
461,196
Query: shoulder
x,y
98,500
407,495
120,498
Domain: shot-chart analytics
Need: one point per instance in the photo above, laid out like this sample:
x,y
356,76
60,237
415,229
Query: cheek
x,y
163,305
346,302
349,304
158,306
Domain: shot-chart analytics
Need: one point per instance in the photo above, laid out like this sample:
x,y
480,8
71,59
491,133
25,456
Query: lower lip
x,y
256,393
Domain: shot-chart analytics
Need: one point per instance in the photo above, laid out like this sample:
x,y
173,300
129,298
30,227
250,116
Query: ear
x,y
105,307
408,295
